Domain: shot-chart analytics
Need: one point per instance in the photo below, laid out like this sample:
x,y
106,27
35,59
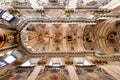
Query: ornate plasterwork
x,y
108,36
38,37
66,37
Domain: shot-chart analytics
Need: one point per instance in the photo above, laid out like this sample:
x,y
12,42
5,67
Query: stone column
x,y
72,73
35,73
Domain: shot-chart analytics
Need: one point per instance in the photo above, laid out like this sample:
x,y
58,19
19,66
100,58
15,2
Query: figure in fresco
x,y
89,37
57,37
112,37
2,39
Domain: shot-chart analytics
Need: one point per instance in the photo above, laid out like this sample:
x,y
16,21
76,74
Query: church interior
x,y
59,39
